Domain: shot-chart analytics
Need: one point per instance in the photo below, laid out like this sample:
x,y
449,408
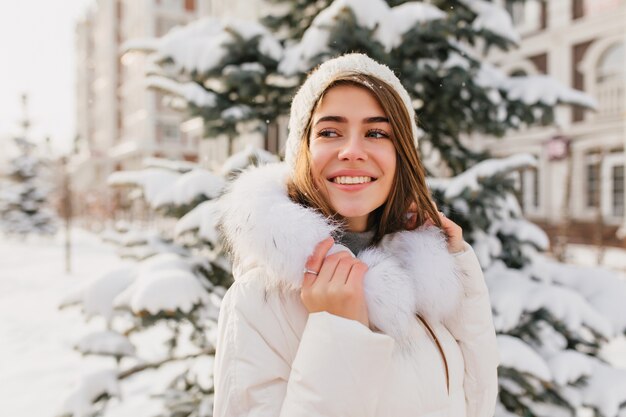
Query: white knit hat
x,y
321,78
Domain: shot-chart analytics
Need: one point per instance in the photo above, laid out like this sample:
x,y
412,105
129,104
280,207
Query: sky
x,y
37,49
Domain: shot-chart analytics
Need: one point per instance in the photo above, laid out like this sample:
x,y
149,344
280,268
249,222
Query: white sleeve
x,y
473,329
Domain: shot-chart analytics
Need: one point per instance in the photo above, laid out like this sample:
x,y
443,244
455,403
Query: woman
x,y
353,296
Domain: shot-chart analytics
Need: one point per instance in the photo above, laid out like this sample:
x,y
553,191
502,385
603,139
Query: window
x,y
610,81
593,181
527,16
516,10
163,25
168,133
617,179
529,189
611,65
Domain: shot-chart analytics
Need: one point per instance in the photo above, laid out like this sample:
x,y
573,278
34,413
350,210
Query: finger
x,y
343,270
314,262
308,280
330,265
357,273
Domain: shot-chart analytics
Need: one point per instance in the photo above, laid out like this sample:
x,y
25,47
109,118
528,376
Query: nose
x,y
353,148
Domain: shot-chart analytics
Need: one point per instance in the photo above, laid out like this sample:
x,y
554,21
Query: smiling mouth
x,y
346,180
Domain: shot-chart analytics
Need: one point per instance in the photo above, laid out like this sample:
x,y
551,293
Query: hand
x,y
338,287
453,232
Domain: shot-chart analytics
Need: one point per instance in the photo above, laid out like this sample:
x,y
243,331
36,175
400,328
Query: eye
x,y
377,134
327,133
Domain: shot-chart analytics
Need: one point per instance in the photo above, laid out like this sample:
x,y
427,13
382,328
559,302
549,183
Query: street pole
x,y
67,214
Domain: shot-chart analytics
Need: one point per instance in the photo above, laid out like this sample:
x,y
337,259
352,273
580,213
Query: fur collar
x,y
410,272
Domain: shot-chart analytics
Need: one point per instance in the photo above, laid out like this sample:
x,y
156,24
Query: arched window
x,y
610,80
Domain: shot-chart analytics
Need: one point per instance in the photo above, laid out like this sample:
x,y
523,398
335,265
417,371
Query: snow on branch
x,y
152,181
106,343
204,219
165,284
91,388
251,155
201,45
493,18
171,164
96,297
516,354
600,287
189,187
532,89
470,179
390,24
190,91
513,295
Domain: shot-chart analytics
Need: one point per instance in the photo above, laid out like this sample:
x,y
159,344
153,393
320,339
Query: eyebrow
x,y
341,119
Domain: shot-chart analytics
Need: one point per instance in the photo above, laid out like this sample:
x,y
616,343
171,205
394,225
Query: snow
x,y
151,180
493,18
244,158
166,284
606,388
92,386
97,296
190,186
485,169
531,89
513,294
390,25
200,45
237,112
204,219
169,164
190,91
543,89
107,343
516,354
568,366
598,285
36,354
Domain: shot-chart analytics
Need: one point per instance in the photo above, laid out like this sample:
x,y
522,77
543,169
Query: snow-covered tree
x,y
172,287
24,192
553,319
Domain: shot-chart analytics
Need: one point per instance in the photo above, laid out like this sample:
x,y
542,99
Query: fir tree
x,y
24,194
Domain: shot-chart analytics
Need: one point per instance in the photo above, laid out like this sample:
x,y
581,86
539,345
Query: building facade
x,y
119,120
578,195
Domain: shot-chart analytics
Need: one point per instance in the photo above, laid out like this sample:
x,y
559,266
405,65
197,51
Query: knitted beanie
x,y
321,78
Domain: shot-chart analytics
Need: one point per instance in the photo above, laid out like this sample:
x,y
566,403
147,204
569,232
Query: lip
x,y
351,173
351,187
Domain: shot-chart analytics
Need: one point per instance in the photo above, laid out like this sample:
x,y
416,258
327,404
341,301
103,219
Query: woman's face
x,y
353,158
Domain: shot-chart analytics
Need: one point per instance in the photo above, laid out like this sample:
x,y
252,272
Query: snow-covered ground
x,y
585,255
38,366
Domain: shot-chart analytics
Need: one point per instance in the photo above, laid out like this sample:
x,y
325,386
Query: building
x,y
119,120
581,44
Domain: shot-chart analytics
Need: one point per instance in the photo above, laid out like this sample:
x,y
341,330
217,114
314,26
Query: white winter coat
x,y
275,359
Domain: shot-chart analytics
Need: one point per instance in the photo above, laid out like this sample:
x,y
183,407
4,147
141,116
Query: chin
x,y
353,212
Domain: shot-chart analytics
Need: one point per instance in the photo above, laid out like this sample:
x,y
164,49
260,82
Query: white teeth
x,y
351,180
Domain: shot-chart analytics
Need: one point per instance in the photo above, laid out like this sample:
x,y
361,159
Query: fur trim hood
x,y
410,272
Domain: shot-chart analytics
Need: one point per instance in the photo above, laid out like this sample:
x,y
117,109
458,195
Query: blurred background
x,y
123,121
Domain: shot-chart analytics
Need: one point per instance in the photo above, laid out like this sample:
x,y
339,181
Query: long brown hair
x,y
408,190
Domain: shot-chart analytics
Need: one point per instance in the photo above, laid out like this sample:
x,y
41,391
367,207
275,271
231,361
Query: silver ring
x,y
308,271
